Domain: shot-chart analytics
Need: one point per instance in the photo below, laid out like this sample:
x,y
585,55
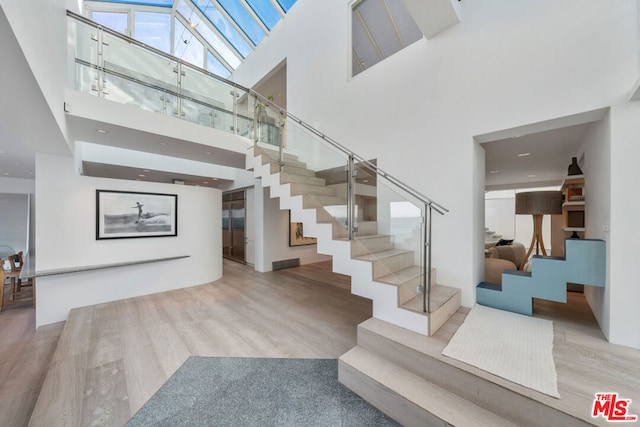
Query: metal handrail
x,y
393,180
390,178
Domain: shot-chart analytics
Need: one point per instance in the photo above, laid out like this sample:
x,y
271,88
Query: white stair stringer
x,y
384,296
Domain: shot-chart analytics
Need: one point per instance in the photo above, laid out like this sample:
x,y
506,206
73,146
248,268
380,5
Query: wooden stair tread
x,y
434,399
382,255
402,276
439,296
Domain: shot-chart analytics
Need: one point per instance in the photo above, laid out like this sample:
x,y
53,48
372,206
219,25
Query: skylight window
x,y
265,11
243,19
223,25
227,30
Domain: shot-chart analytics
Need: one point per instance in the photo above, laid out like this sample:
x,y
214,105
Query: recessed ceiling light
x,y
215,179
146,170
162,143
524,154
101,131
30,173
142,176
208,152
205,182
494,171
365,180
531,176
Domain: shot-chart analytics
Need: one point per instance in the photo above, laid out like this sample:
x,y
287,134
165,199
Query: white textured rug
x,y
512,346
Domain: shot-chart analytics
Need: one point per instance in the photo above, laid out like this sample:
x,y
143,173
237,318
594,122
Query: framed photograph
x,y
296,234
127,214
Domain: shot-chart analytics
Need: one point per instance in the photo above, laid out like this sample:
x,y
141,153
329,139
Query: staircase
x,y
585,264
379,271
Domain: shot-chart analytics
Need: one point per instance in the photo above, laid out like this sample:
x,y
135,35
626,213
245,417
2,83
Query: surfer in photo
x,y
139,206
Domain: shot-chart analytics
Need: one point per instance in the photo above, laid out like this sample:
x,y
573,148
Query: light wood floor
x,y
585,362
25,355
113,357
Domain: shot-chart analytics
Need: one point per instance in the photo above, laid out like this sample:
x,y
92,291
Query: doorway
x,y
233,225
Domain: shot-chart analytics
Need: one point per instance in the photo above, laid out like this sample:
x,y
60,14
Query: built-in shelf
x,y
578,203
573,211
573,228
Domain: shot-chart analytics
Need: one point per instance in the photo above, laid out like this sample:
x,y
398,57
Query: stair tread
x,y
402,276
440,294
382,255
438,401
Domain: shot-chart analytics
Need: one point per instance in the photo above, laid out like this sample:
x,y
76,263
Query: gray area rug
x,y
211,391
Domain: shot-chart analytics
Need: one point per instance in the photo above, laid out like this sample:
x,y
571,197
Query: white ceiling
x,y
550,154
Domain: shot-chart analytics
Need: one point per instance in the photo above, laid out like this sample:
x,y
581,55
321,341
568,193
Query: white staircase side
x,y
330,237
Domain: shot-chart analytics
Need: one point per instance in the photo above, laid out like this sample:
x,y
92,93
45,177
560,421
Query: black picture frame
x,y
131,214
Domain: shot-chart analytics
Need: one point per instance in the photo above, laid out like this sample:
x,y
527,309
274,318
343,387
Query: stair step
x,y
387,262
316,190
363,245
292,170
407,281
422,356
365,228
274,154
445,301
311,201
407,398
286,178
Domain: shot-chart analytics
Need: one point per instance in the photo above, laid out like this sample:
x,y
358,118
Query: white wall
x,y
624,250
417,112
17,186
596,148
507,64
15,220
272,227
65,219
41,30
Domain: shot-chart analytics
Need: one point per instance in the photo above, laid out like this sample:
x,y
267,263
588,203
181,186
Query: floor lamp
x,y
538,203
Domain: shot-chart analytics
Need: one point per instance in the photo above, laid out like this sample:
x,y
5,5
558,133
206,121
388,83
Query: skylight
x,y
213,34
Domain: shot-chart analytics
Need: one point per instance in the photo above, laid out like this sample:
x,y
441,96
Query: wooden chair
x,y
3,277
17,261
15,285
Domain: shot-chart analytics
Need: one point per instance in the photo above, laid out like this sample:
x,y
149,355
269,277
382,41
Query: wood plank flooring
x,y
113,357
585,362
25,355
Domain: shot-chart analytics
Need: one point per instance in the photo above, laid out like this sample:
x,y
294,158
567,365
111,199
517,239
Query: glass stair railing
x,y
387,222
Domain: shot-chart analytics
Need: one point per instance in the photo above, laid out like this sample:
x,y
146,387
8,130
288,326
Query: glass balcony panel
x,y
244,107
207,91
85,45
142,66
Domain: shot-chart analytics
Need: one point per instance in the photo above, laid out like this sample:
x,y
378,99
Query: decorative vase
x,y
574,169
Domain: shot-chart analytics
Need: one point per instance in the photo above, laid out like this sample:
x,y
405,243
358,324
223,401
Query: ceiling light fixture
x,y
146,170
494,171
205,182
208,152
524,154
102,131
162,143
531,176
142,176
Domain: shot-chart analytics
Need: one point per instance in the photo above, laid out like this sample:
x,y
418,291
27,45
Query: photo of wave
x,y
130,223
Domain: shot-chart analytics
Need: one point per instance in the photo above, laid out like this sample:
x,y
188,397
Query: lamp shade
x,y
539,202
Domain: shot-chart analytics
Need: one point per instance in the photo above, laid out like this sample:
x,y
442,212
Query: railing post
x,y
426,262
256,118
100,78
351,197
180,73
235,110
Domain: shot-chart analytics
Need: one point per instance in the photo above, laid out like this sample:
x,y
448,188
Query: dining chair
x,y
3,277
17,261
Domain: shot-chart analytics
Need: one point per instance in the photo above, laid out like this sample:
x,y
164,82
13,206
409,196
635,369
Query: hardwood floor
x,y
113,357
25,355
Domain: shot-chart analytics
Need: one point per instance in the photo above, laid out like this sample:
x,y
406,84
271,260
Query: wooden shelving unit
x,y
573,207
